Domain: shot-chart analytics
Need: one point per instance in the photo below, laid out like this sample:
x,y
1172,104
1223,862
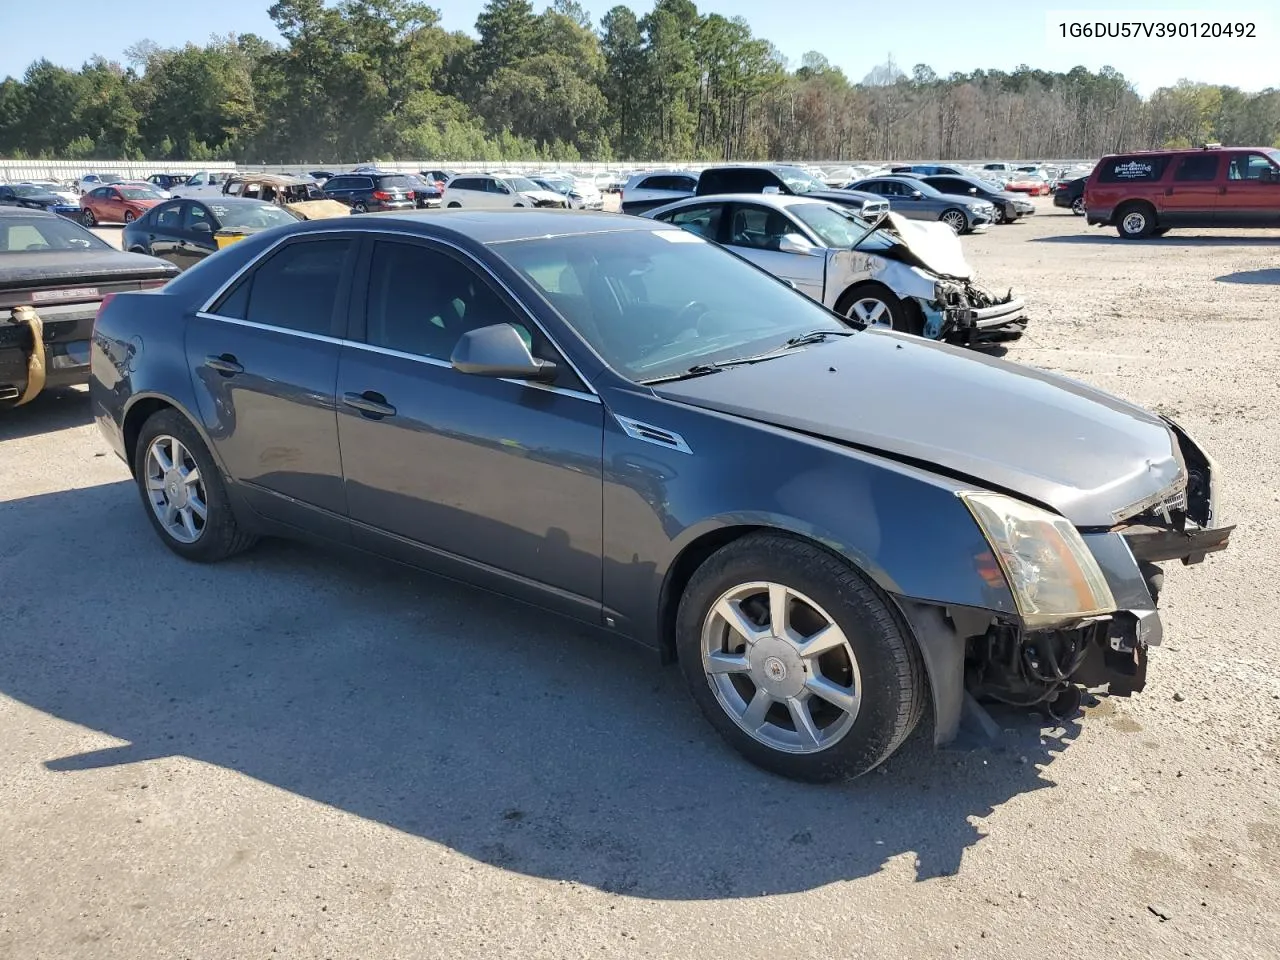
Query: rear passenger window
x,y
296,288
1197,168
1139,169
704,221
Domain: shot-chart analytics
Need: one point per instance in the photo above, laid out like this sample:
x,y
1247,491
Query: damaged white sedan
x,y
903,274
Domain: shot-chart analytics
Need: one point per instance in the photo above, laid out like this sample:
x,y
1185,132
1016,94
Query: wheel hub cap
x,y
776,668
175,489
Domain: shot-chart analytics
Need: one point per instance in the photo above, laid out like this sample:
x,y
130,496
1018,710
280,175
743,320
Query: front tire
x,y
455,205
183,491
875,305
797,660
87,218
129,217
956,220
1135,221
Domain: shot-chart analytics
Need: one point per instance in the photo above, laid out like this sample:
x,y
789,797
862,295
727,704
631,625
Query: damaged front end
x,y
963,312
940,284
1017,661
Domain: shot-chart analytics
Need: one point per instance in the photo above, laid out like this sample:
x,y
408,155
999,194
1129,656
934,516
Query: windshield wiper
x,y
697,370
816,336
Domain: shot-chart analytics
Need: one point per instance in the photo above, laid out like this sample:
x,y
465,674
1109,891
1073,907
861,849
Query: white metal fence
x,y
14,170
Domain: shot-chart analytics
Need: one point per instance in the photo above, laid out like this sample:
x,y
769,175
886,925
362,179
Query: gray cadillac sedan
x,y
834,530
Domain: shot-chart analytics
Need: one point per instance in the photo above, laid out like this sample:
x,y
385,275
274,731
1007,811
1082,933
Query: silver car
x,y
913,198
894,273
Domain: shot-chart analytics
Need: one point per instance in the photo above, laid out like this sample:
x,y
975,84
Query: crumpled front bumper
x,y
972,316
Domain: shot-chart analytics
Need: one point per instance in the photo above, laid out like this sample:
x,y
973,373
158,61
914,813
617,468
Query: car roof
x,y
502,226
26,212
779,201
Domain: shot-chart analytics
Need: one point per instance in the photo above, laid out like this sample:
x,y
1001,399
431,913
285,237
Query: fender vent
x,y
651,434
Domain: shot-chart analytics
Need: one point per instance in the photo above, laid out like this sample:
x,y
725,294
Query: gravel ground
x,y
297,754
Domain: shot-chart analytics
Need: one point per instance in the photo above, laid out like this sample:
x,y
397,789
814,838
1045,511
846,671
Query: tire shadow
x,y
51,410
519,739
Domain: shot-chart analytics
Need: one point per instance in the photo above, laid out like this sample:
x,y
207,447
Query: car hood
x,y
931,245
1046,438
60,267
543,196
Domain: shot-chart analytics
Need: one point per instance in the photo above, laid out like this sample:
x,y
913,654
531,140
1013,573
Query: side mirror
x,y
917,195
794,243
498,350
772,190
974,191
201,226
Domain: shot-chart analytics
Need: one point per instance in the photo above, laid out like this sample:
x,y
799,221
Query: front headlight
x,y
1053,576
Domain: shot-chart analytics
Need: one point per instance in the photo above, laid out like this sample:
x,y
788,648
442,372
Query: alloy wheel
x,y
1077,206
781,667
955,220
176,490
873,312
88,219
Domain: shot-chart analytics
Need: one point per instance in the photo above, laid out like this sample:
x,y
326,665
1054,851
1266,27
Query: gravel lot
x,y
301,755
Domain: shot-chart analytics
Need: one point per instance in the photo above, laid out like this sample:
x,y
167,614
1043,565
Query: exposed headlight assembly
x,y
1053,576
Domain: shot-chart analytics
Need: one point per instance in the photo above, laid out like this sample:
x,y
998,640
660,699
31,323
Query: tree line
x,y
381,80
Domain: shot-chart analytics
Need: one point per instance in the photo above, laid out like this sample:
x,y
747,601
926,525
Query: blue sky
x,y
946,34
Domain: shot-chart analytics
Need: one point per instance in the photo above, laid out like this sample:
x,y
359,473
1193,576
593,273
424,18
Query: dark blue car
x,y
33,197
369,192
614,419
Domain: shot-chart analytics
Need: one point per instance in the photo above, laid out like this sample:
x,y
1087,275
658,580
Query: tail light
x,y
381,195
411,194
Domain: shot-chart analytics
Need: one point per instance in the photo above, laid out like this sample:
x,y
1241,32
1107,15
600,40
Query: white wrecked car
x,y
905,274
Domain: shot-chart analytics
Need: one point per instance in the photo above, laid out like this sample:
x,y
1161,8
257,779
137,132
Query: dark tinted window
x,y
169,215
196,213
703,220
297,288
466,183
1139,169
340,183
760,228
668,182
1197,167
422,300
949,184
395,180
737,181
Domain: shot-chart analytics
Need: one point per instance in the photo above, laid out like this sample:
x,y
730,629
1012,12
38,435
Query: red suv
x,y
1147,194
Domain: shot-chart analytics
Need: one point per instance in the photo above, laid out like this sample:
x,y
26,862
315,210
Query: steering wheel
x,y
691,313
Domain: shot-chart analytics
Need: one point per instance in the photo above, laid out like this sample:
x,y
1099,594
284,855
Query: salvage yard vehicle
x,y
184,232
1009,207
489,191
834,530
30,197
653,188
371,192
53,276
1147,194
890,272
206,183
1070,193
913,198
1032,184
117,203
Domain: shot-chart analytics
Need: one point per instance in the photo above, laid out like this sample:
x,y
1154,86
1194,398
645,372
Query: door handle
x,y
370,404
1222,189
226,364
1168,191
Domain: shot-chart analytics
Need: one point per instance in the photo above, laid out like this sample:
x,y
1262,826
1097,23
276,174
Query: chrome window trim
x,y
270,328
206,312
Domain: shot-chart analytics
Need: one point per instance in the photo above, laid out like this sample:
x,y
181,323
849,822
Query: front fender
x,y
902,526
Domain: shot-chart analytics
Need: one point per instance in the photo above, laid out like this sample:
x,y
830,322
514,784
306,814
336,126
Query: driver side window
x,y
703,220
758,228
196,214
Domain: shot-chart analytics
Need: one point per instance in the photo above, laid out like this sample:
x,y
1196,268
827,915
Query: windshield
x,y
521,184
28,235
138,193
798,181
256,216
1274,155
559,186
836,226
653,303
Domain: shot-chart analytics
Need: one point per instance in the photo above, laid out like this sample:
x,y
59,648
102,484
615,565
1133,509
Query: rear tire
x,y
219,535
1077,206
872,677
88,219
455,205
359,207
1135,221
